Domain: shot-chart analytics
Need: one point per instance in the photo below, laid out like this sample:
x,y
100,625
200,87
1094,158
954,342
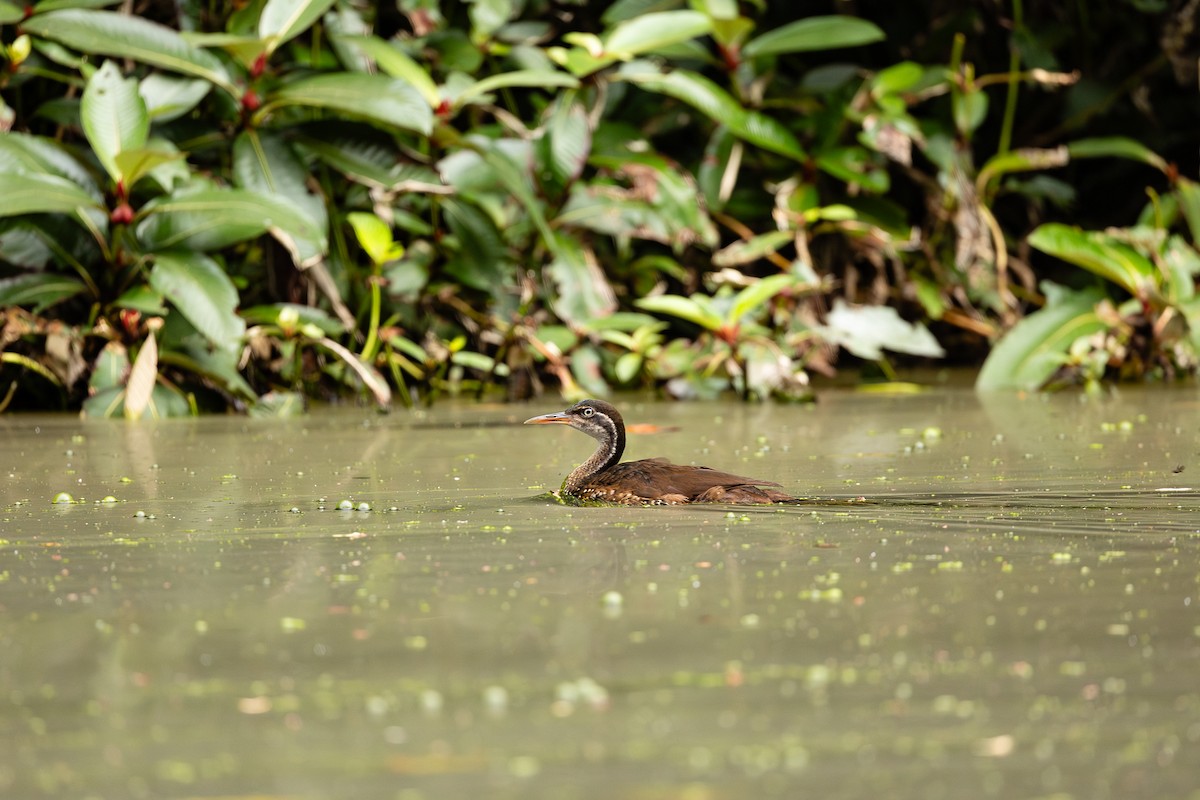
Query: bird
x,y
651,481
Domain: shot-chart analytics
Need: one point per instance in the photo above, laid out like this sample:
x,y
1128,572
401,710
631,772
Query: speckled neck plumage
x,y
611,436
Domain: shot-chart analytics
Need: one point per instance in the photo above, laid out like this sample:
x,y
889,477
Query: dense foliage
x,y
243,205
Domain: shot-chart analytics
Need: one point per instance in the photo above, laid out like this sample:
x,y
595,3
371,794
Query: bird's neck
x,y
608,453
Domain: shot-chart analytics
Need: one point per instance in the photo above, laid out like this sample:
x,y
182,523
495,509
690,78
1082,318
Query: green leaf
x,y
168,97
1188,192
749,299
539,79
38,289
282,20
201,291
649,32
1034,349
1100,255
34,194
368,161
398,64
111,34
683,307
1116,146
717,104
745,252
210,219
1023,160
375,237
627,367
21,152
110,369
10,13
570,140
481,258
377,98
114,117
814,33
583,290
138,162
291,317
141,297
264,162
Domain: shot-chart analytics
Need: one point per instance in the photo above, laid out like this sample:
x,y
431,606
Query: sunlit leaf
x,y
375,237
202,292
749,299
649,32
1099,254
570,140
1035,348
168,97
683,307
814,33
866,331
291,317
137,162
114,116
282,20
142,378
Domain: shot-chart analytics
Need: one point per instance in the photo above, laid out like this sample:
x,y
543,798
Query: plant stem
x,y
1014,66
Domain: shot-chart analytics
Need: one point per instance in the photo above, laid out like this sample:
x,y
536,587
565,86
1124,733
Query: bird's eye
x,y
587,412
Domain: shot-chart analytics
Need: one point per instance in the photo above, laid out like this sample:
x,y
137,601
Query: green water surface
x,y
1014,611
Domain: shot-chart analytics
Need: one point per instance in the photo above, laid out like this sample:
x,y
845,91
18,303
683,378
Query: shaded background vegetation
x,y
243,206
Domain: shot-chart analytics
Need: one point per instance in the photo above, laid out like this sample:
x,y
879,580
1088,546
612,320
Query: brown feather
x,y
651,481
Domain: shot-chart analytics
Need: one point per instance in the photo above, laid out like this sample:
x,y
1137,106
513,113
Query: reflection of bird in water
x,y
651,481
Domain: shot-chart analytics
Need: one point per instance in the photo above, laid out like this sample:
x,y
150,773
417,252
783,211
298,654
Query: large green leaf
x,y
814,33
583,290
201,291
32,193
1099,254
718,105
1189,202
169,97
1034,349
214,218
38,289
282,20
265,162
398,64
377,98
683,307
750,298
540,79
114,117
21,152
111,34
369,159
745,252
1117,147
649,32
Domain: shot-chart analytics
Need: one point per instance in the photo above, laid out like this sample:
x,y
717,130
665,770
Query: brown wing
x,y
654,478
